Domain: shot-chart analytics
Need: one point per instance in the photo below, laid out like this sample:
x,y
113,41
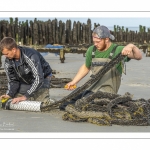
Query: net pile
x,y
103,108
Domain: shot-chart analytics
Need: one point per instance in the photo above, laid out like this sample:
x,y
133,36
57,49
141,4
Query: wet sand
x,y
136,81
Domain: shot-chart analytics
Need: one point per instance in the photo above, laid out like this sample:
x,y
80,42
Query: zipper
x,y
16,68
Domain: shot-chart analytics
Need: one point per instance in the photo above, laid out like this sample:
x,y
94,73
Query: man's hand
x,y
127,50
70,86
5,96
19,99
132,52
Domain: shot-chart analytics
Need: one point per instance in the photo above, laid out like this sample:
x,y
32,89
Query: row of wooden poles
x,y
39,32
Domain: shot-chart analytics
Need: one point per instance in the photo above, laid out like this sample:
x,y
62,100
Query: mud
x,y
136,81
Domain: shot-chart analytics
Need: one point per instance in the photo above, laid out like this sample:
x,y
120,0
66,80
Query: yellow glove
x,y
3,100
72,86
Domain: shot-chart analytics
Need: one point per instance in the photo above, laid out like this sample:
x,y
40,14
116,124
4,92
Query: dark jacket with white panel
x,y
31,70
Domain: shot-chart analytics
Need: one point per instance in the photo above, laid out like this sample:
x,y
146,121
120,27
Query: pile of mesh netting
x,y
103,108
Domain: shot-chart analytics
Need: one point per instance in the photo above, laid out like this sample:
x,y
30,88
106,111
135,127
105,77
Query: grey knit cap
x,y
103,32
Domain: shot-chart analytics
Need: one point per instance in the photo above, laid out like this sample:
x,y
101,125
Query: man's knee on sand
x,y
40,95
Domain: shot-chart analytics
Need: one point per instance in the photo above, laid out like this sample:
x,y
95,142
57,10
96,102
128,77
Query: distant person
x,y
101,52
27,72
